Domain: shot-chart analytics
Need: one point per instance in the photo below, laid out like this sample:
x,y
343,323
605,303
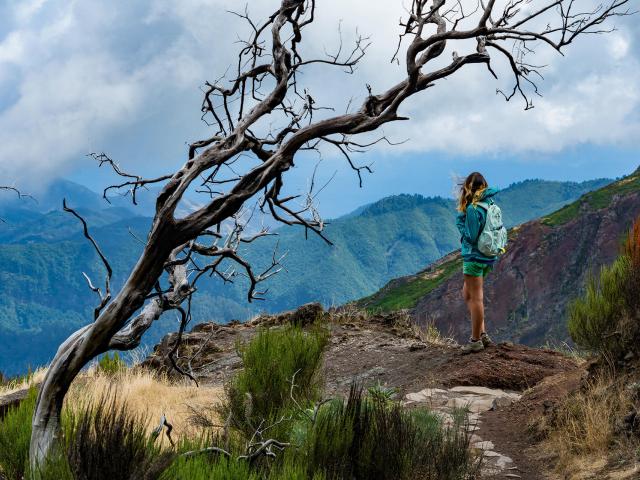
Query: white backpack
x,y
493,238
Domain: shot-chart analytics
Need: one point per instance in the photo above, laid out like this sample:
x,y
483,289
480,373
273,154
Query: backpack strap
x,y
483,205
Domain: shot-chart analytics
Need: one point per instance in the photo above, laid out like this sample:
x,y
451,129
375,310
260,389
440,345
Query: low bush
x,y
365,438
104,441
111,364
606,319
206,467
272,360
55,467
15,435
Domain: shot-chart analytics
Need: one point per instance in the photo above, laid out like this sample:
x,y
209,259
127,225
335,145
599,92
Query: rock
x,y
629,356
302,316
485,391
491,454
12,400
503,461
484,445
512,475
430,395
417,346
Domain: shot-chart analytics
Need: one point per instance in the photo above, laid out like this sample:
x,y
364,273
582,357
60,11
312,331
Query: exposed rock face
x,y
545,267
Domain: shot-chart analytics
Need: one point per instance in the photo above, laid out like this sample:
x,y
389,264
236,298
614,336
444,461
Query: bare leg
x,y
473,295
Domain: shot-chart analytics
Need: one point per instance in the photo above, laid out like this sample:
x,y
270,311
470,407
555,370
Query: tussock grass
x,y
431,335
147,395
584,425
105,440
367,437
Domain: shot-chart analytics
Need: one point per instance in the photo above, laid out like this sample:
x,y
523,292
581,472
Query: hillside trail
x,y
503,386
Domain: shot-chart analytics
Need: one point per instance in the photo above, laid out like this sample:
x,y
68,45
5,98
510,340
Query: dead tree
x,y
247,157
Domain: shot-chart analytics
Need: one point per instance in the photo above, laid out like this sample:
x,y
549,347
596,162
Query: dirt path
x,y
508,427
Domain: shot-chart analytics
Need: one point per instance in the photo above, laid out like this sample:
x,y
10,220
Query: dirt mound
x,y
370,349
507,366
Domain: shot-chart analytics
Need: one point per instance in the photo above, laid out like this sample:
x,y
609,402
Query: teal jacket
x,y
470,224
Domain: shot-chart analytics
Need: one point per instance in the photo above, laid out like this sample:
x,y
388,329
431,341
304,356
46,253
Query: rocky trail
x,y
503,387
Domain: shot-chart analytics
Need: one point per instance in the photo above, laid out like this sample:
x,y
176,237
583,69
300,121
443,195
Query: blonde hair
x,y
471,191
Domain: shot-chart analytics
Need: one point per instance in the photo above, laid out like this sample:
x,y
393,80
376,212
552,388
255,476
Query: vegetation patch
x,y
111,364
601,421
276,362
588,425
606,320
408,294
15,435
596,200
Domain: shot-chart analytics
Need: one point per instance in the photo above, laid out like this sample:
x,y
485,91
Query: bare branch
x,y
133,185
104,299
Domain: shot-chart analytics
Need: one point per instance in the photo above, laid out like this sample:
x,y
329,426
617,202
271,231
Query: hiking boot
x,y
486,340
473,346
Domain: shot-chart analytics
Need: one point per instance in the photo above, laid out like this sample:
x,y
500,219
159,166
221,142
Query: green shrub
x,y
106,442
111,365
366,438
381,393
15,435
206,467
55,467
606,319
261,392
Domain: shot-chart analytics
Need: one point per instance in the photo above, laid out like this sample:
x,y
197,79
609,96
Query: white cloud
x,y
619,45
12,48
26,9
86,71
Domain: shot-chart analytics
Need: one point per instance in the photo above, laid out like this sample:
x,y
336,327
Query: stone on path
x,y
476,400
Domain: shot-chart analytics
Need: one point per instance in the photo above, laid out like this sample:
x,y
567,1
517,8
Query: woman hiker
x,y
483,237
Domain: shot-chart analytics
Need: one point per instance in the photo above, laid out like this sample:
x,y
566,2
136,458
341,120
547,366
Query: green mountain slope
x,y
43,296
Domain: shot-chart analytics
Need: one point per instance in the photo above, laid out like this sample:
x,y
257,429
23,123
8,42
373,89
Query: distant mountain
x,y
43,296
545,267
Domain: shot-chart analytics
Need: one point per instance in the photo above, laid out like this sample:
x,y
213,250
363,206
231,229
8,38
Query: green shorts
x,y
476,269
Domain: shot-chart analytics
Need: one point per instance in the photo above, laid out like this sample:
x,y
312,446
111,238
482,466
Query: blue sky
x,y
123,77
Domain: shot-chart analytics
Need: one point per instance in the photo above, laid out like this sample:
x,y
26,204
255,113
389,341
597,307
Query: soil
x,y
511,428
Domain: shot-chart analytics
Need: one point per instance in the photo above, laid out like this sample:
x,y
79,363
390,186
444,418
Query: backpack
x,y
493,238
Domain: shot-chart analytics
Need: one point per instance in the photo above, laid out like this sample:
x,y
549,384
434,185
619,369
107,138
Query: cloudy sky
x,y
123,77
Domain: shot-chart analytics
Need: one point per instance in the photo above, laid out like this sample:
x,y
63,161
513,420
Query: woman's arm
x,y
472,224
460,221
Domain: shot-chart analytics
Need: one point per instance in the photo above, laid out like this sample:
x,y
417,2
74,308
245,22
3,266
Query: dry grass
x,y
22,383
430,335
582,432
349,313
149,395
